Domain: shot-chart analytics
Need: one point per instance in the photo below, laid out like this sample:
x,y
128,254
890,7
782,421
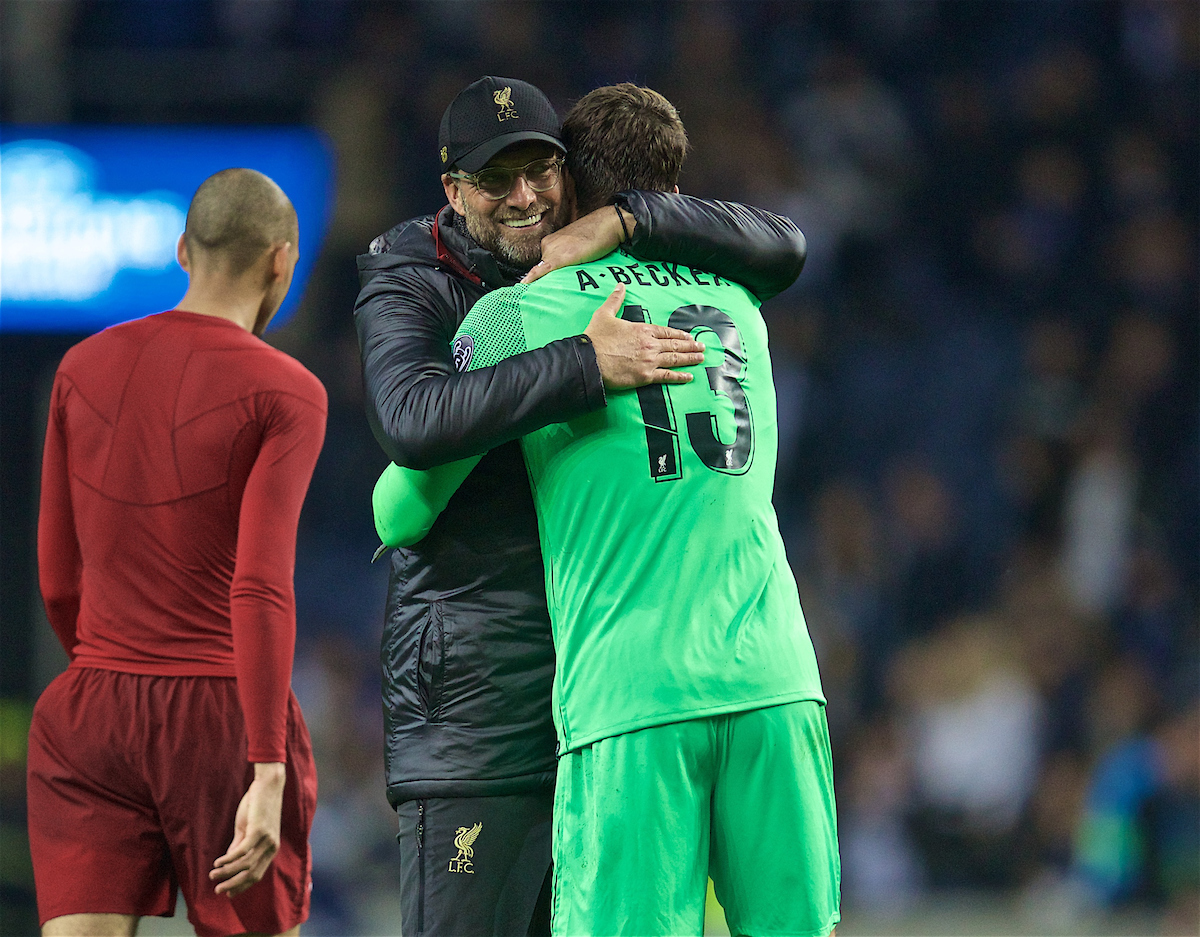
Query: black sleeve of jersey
x,y
422,411
764,252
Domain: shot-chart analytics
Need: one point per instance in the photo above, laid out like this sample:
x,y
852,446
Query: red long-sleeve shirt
x,y
178,452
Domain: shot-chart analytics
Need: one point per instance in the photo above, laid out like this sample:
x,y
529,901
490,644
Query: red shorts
x,y
134,783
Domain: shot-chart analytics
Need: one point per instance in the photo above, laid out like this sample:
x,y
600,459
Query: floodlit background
x,y
987,374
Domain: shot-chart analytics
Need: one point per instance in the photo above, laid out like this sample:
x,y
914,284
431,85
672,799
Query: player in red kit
x,y
172,753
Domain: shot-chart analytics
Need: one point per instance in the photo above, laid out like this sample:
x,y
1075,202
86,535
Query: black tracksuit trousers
x,y
475,866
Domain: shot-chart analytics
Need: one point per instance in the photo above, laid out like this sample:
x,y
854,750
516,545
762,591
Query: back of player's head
x,y
622,137
235,216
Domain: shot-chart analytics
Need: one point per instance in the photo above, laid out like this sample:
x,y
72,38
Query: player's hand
x,y
632,354
255,832
588,238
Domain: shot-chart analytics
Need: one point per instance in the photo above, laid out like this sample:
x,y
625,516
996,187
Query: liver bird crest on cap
x,y
503,99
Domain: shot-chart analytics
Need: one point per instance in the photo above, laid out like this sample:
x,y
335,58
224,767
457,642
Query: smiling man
x,y
467,654
512,201
512,197
687,698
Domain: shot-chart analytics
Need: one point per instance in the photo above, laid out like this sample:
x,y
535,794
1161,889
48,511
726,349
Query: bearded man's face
x,y
512,227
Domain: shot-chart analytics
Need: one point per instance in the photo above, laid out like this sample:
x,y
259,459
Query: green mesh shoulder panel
x,y
492,330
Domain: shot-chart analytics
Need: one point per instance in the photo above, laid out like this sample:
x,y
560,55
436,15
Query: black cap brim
x,y
474,160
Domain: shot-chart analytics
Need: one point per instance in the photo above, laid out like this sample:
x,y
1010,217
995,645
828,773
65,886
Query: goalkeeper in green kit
x,y
688,704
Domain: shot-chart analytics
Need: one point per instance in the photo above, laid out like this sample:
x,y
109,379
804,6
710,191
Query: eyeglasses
x,y
496,182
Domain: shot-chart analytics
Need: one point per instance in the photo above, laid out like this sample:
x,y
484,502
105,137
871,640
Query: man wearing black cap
x,y
467,654
469,141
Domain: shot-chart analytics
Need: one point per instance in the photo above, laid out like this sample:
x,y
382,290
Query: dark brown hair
x,y
237,214
622,137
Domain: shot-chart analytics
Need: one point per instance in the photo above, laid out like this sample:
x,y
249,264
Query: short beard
x,y
489,235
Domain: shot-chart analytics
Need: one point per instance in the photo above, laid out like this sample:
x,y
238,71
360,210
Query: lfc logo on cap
x,y
443,154
503,99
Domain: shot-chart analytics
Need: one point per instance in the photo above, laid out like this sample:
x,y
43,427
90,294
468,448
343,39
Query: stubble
x,y
509,245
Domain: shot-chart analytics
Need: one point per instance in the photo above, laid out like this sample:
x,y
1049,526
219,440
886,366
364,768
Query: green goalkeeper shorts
x,y
641,821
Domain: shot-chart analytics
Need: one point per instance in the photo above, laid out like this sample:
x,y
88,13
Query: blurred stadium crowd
x,y
988,383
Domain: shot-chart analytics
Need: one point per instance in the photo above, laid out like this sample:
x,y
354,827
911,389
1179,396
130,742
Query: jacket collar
x,y
458,249
445,235
434,241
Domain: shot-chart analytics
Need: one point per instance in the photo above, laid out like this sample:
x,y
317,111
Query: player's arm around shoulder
x,y
742,243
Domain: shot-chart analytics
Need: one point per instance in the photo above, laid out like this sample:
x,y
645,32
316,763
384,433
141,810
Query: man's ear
x,y
676,190
453,195
181,253
280,256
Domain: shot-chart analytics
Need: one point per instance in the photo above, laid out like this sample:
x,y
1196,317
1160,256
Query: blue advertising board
x,y
89,216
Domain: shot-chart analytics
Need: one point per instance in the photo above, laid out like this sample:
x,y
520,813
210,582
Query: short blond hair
x,y
236,215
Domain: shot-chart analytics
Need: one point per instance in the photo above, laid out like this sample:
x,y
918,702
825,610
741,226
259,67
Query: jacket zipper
x,y
420,868
431,662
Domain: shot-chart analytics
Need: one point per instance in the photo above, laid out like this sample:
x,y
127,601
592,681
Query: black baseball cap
x,y
491,114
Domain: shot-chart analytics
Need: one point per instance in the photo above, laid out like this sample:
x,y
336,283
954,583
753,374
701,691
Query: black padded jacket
x,y
466,652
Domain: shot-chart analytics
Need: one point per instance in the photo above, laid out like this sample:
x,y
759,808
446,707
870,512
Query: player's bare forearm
x,y
633,354
255,832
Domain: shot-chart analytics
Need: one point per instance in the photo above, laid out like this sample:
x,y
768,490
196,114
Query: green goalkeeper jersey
x,y
669,592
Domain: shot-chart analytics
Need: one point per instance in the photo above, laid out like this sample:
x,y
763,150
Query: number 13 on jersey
x,y
724,380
